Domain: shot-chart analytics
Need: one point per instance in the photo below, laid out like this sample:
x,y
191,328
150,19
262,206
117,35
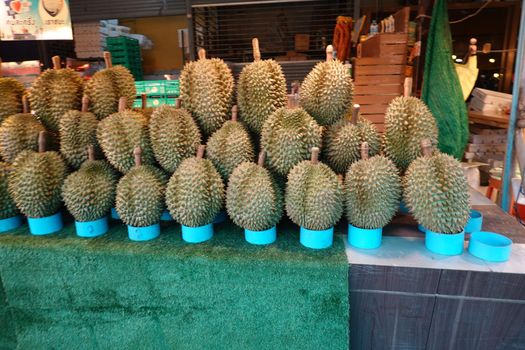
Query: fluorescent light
x,y
496,75
459,60
492,60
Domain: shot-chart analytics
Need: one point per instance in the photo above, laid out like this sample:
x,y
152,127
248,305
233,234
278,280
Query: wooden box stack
x,y
488,145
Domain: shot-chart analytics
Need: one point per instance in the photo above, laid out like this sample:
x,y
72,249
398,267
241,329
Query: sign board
x,y
35,20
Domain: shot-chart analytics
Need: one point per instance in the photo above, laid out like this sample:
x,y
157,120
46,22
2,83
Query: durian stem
x,y
262,158
91,152
200,151
56,62
25,104
426,147
178,103
355,113
364,150
41,141
107,59
329,53
85,104
122,104
144,100
137,152
315,155
341,179
202,54
256,51
234,113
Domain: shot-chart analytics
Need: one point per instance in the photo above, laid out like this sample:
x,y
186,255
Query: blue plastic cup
x,y
146,233
90,229
445,243
114,214
475,222
45,225
403,208
220,218
490,246
11,223
261,237
421,228
316,239
166,216
197,234
364,238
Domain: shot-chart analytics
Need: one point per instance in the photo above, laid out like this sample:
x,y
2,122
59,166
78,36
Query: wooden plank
x,y
375,118
378,90
378,79
374,109
383,70
380,127
368,100
393,49
491,120
393,38
373,61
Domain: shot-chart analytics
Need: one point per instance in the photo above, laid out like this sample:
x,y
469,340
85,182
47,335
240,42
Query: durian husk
x,y
11,92
19,132
77,130
8,207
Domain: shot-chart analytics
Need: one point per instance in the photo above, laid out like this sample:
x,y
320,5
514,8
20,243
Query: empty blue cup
x,y
364,238
475,222
490,246
197,234
316,239
146,233
11,223
90,229
45,225
261,237
445,243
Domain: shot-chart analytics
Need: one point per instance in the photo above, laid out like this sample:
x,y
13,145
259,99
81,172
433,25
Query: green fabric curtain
x,y
441,88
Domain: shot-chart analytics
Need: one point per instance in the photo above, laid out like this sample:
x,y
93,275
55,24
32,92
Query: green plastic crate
x,y
121,42
155,102
158,87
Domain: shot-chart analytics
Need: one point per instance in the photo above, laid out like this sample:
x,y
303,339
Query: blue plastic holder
x,y
475,222
490,246
146,233
90,229
197,234
421,228
403,208
166,216
445,243
11,223
316,239
45,225
220,218
114,214
364,238
261,237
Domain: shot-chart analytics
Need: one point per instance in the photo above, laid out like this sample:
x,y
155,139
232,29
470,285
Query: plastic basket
x,y
158,88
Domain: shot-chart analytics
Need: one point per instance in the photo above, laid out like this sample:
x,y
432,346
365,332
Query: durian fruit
x,y
8,207
343,140
314,195
107,86
11,92
436,191
327,91
206,91
89,193
195,191
19,132
174,136
140,194
55,92
253,199
372,191
288,136
120,133
230,146
35,183
261,90
77,130
407,121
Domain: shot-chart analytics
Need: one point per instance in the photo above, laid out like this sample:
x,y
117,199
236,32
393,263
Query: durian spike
x,y
107,59
41,142
262,158
234,113
144,100
202,54
25,104
315,155
56,62
426,147
355,113
329,53
85,104
122,104
178,103
91,152
364,150
200,151
256,51
137,153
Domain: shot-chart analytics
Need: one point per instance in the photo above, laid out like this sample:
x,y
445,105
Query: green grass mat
x,y
65,292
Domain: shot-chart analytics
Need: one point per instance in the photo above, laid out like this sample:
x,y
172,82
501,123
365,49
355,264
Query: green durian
x,y
230,146
174,136
195,192
342,141
77,130
314,195
120,133
8,207
407,121
436,191
55,92
89,193
254,201
35,183
261,90
288,136
327,91
11,91
206,91
107,86
372,191
19,132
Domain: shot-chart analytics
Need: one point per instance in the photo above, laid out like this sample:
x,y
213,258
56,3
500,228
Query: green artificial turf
x,y
65,292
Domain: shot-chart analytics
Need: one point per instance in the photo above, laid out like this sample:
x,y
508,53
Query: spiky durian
x,y
89,193
372,191
206,91
261,90
287,136
35,183
253,199
195,192
107,86
327,91
11,91
174,136
230,146
436,191
140,194
78,130
343,140
55,92
120,133
8,207
19,132
314,195
407,121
